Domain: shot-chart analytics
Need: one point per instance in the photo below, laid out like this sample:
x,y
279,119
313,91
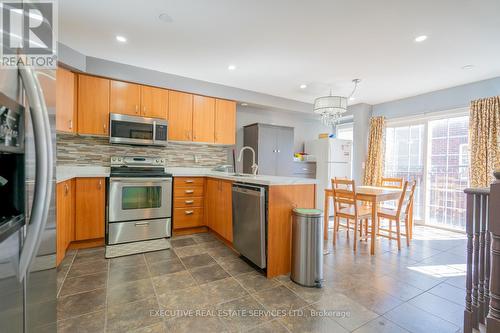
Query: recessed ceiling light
x,y
420,39
121,39
165,18
244,104
352,98
231,67
467,67
303,86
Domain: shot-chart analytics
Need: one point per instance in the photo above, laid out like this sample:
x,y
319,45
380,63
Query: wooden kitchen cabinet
x,y
154,102
203,119
89,208
225,211
219,206
65,219
180,116
225,122
188,211
125,98
93,105
211,194
66,90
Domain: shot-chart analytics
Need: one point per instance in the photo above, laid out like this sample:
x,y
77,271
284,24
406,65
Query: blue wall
x,y
439,100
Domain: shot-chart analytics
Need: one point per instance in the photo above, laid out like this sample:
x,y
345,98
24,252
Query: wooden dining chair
x,y
399,215
392,182
345,205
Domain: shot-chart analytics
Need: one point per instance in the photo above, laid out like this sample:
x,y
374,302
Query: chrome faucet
x,y
255,167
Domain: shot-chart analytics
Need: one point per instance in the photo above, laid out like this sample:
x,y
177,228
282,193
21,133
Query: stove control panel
x,y
137,161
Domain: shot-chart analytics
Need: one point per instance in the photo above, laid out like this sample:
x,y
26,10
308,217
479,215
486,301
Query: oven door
x,y
139,198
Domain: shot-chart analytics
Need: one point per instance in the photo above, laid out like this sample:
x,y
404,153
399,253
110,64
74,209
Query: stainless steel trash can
x,y
307,247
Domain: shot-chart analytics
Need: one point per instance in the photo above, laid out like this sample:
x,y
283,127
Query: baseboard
x,y
88,243
190,231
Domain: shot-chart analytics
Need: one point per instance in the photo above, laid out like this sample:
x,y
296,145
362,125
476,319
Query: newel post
x,y
493,319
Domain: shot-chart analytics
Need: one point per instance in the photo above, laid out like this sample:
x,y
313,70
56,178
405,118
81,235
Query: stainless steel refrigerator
x,y
27,201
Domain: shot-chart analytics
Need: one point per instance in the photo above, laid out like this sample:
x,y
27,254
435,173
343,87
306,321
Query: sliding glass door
x,y
404,157
434,153
448,172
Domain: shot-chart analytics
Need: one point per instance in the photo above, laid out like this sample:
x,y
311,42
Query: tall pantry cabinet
x,y
273,147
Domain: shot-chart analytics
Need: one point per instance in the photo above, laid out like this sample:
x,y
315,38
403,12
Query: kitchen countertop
x,y
65,172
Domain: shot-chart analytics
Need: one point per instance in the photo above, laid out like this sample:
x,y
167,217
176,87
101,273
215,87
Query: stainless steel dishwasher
x,y
249,222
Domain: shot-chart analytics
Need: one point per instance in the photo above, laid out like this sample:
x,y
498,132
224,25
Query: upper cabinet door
x,y
125,98
66,100
225,122
93,105
180,116
203,119
154,102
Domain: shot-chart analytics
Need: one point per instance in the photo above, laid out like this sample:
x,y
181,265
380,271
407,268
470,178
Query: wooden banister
x,y
482,298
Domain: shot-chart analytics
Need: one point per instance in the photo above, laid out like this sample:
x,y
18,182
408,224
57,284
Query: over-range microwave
x,y
137,130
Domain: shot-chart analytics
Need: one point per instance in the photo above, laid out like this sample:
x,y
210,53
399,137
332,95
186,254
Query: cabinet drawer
x,y
304,168
189,181
189,191
188,217
123,232
188,202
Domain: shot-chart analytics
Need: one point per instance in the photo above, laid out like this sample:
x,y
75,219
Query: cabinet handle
x,y
137,109
188,212
278,151
189,191
71,124
189,202
104,127
66,189
100,184
305,169
189,181
141,224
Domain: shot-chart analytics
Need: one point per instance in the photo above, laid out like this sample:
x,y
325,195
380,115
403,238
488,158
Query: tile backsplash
x,y
95,150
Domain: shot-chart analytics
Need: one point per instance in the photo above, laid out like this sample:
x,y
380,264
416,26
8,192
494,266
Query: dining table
x,y
373,195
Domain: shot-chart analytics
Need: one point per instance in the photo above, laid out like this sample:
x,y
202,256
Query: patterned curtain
x,y
484,128
375,159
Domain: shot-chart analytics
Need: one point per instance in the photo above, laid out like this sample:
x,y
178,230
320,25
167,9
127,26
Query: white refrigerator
x,y
333,159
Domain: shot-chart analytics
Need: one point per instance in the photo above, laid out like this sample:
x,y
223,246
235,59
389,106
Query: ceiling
x,y
277,45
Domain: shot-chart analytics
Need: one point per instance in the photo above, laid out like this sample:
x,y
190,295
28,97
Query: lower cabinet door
x,y
89,208
226,210
212,192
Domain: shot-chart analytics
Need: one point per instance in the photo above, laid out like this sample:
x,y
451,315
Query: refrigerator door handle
x,y
44,173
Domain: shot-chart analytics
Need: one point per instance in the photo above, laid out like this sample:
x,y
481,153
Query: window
x,y
345,132
434,153
404,158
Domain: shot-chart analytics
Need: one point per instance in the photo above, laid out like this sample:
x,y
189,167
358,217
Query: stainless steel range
x,y
139,201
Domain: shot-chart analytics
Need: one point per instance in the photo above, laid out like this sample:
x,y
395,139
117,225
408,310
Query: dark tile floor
x,y
419,289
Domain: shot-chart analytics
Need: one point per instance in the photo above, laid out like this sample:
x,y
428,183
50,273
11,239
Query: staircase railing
x,y
482,299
